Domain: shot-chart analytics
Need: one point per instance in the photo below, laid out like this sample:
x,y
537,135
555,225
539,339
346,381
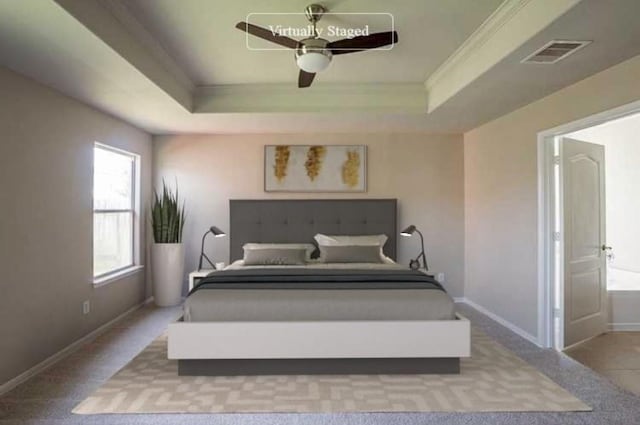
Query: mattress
x,y
318,304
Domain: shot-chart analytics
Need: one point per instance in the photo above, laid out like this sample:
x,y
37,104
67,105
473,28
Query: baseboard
x,y
524,334
629,327
24,376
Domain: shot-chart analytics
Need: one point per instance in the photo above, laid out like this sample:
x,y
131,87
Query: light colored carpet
x,y
492,380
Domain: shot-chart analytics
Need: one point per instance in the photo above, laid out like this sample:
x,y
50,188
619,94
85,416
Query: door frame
x,y
551,270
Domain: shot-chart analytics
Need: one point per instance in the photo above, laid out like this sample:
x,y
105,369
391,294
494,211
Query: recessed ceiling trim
x,y
122,13
100,21
510,26
480,36
331,98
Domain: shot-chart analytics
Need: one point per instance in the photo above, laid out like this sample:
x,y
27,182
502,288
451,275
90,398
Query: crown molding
x,y
116,28
503,14
268,98
512,24
121,11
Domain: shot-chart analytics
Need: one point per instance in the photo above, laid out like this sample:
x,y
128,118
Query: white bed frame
x,y
382,340
332,346
319,339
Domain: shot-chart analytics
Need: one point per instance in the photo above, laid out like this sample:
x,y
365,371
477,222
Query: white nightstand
x,y
197,275
434,274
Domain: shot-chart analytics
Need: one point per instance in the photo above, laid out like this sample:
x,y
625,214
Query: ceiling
x,y
172,66
201,36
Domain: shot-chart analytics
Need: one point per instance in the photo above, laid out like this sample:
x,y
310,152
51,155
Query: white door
x,y
585,271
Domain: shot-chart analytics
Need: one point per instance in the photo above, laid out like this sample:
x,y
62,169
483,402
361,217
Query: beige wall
x,y
46,221
501,191
424,172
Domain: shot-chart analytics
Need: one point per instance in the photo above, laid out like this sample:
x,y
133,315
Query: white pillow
x,y
308,247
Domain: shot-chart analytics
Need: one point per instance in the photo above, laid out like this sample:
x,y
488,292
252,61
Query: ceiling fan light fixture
x,y
312,55
313,62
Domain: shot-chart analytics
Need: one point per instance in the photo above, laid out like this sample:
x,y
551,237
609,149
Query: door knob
x,y
606,248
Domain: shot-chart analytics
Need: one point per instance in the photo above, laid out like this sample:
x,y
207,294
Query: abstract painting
x,y
315,168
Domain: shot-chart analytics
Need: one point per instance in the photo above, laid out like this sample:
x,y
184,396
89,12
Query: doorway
x,y
590,227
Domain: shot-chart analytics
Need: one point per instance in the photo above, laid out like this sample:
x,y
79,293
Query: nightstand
x,y
434,274
430,273
197,275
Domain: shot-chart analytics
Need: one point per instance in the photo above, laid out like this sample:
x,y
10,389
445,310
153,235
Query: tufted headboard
x,y
288,221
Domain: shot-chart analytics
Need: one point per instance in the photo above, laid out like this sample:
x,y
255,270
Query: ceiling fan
x,y
314,54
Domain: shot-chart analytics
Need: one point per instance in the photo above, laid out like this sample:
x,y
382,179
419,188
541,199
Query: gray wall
x,y
423,171
501,191
46,222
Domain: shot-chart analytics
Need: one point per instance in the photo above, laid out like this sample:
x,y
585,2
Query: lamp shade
x,y
408,231
313,62
217,232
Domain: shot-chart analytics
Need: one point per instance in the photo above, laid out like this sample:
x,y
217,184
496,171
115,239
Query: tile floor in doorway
x,y
615,355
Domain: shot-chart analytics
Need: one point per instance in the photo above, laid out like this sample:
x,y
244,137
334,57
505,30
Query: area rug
x,y
493,380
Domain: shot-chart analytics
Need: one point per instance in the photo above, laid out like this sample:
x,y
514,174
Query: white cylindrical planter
x,y
167,272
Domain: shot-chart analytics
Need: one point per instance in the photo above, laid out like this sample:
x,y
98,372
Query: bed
x,y
318,318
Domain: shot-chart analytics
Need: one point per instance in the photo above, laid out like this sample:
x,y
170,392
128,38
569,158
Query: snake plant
x,y
167,217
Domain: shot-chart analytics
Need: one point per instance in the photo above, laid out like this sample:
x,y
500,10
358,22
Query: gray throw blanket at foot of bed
x,y
281,278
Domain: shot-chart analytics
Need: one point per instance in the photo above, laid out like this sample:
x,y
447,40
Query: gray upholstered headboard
x,y
287,221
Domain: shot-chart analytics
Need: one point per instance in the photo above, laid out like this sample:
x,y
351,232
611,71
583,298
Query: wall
x,y
622,156
46,156
424,172
501,222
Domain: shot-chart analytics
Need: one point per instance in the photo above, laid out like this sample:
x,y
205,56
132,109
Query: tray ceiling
x,y
200,36
176,66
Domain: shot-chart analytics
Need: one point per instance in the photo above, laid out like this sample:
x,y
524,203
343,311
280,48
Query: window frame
x,y
133,210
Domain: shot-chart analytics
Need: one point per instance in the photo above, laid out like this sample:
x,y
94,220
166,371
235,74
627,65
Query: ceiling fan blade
x,y
363,42
268,35
305,78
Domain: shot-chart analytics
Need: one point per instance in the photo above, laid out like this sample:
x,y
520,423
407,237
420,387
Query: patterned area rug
x,y
492,380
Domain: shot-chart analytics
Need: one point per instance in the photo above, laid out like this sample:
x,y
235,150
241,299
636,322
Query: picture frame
x,y
315,168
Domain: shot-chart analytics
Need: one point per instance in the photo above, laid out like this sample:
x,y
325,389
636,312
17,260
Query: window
x,y
114,210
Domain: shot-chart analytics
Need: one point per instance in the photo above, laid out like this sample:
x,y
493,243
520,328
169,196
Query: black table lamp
x,y
415,264
216,233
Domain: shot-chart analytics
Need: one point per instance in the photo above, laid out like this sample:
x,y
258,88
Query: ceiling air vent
x,y
555,51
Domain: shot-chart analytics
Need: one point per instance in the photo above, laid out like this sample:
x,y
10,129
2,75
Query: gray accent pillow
x,y
308,247
335,240
275,256
323,239
350,254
